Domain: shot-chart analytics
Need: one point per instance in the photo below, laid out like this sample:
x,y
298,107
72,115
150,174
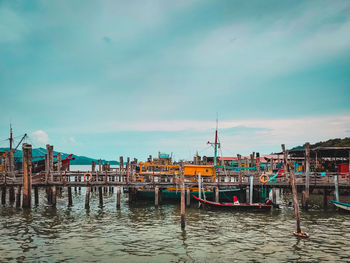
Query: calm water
x,y
143,233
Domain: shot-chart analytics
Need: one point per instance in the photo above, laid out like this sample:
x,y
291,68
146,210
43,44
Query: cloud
x,y
41,136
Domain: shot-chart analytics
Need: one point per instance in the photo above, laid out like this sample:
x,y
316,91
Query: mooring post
x,y
18,196
247,195
100,194
199,185
274,195
93,166
188,197
3,195
156,198
182,175
70,199
87,197
336,186
251,190
11,194
36,195
127,170
289,169
27,175
217,195
118,197
54,196
239,164
99,165
307,175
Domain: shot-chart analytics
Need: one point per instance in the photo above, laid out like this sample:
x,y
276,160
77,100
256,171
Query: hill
x,y
337,142
79,160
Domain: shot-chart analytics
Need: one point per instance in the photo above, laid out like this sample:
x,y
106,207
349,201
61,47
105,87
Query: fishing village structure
x,y
322,169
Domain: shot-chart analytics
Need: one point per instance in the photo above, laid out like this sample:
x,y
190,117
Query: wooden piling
x,y
3,195
156,197
239,163
307,175
182,178
188,197
274,195
336,186
11,194
27,175
217,194
290,170
87,197
70,199
36,195
247,195
100,194
53,196
251,190
18,196
99,165
118,197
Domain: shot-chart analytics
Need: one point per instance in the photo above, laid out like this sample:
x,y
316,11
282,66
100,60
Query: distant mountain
x,y
330,143
79,160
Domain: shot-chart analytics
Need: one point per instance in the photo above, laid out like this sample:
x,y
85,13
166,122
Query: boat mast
x,y
216,142
11,138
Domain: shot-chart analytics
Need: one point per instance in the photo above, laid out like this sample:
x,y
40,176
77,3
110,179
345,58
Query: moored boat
x,y
234,206
342,206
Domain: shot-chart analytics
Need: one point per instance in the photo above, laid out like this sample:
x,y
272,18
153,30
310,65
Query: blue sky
x,y
111,78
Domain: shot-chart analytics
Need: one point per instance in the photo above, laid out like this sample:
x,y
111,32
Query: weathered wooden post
x,y
188,197
239,164
118,197
274,195
87,197
99,165
11,195
93,166
307,175
290,170
54,196
127,170
182,177
199,185
27,175
217,195
70,199
36,195
251,190
156,198
336,186
3,195
100,194
18,196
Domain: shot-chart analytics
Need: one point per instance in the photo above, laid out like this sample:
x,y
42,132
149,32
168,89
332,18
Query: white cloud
x,y
40,136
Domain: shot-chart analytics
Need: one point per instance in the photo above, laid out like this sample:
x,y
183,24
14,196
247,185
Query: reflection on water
x,y
141,232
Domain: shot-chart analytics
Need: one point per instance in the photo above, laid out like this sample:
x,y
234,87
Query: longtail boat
x,y
235,206
342,206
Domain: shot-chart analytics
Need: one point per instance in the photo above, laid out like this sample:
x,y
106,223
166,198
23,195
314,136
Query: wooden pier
x,y
19,184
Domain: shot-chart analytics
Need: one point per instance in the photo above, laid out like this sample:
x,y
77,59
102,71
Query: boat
x,y
342,206
235,205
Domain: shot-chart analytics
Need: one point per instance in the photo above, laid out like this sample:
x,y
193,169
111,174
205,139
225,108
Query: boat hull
x,y
234,207
176,195
342,206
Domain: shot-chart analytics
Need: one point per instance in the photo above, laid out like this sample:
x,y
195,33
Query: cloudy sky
x,y
111,78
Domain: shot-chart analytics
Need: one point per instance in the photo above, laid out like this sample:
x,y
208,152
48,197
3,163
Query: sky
x,y
130,78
